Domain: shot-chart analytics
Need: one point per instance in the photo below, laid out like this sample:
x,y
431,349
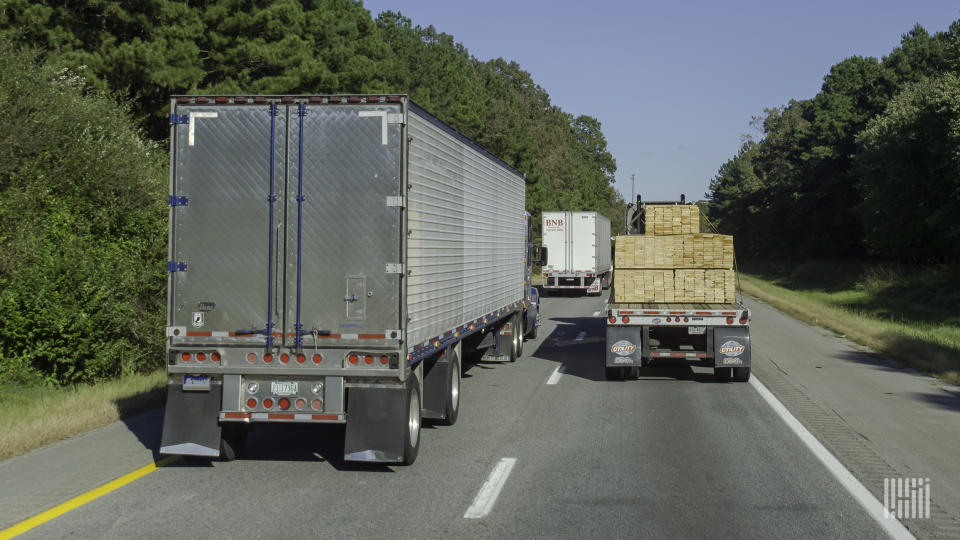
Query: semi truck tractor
x,y
331,260
577,248
674,310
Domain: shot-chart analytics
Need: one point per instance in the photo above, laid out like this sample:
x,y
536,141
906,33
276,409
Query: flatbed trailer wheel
x,y
411,436
741,374
518,334
513,353
614,373
722,374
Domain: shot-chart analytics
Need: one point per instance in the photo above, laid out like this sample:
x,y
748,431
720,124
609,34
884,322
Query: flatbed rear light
x,y
268,358
301,358
201,357
353,359
185,356
625,319
252,403
284,358
317,358
215,357
283,403
611,319
729,320
267,403
251,357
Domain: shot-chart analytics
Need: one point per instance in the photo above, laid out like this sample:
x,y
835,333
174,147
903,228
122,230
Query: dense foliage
x,y
82,228
870,166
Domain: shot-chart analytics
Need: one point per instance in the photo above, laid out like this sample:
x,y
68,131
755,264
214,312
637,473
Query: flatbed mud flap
x,y
623,346
731,347
191,421
376,424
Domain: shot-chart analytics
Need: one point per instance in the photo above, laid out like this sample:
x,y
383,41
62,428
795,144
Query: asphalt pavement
x,y
544,447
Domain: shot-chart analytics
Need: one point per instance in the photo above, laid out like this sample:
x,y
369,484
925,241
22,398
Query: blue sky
x,y
674,84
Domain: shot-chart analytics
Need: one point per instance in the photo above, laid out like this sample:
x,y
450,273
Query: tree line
x,y
84,98
868,167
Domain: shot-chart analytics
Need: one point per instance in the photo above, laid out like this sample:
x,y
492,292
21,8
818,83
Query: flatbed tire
x,y
741,374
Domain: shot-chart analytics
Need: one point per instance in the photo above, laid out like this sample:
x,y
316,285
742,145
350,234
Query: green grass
x,y
909,313
31,417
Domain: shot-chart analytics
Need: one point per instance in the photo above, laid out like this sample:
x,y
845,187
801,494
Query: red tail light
x,y
201,357
301,404
215,357
625,319
267,403
268,358
353,359
252,403
743,319
185,357
251,357
317,404
317,358
669,319
284,358
384,360
612,319
301,358
729,320
368,359
284,403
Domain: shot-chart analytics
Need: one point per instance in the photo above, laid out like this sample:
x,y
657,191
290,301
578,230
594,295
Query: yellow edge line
x,y
83,499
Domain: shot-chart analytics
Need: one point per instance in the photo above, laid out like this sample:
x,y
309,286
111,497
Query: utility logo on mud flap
x,y
732,348
623,348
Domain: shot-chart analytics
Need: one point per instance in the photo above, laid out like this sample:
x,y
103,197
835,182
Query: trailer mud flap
x,y
191,421
376,424
731,347
623,346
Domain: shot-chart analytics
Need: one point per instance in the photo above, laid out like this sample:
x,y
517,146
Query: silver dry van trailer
x,y
330,260
578,252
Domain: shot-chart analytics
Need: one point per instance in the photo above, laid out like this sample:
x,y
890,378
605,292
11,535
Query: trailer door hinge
x,y
395,201
394,268
176,266
180,200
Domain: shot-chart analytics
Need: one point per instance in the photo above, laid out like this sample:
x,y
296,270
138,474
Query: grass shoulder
x,y
908,313
31,417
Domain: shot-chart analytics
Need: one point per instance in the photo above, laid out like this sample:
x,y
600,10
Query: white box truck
x,y
330,259
577,252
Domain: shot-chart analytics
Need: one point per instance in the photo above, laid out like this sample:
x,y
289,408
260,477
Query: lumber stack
x,y
673,262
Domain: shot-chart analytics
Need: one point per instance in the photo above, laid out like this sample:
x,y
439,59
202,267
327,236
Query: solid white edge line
x,y
874,508
555,376
487,496
580,336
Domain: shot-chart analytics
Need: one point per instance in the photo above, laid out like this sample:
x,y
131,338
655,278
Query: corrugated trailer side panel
x,y
465,249
603,244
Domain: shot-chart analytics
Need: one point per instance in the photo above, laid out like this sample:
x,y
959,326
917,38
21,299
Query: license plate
x,y
698,329
283,388
197,383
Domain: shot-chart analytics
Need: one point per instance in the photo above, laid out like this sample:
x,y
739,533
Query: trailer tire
x,y
533,333
233,437
513,353
411,433
721,374
613,373
741,374
451,406
521,329
631,373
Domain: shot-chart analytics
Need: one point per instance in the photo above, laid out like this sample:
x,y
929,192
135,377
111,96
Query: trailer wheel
x,y
741,374
233,437
411,437
513,354
613,373
533,333
721,374
451,406
631,373
521,328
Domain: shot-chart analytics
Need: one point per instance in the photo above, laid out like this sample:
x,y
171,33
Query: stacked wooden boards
x,y
674,262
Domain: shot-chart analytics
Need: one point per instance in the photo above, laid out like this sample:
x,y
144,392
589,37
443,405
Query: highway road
x,y
562,453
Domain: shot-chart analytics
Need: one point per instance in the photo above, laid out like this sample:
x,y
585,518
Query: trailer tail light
x,y
267,403
384,360
743,319
201,357
284,358
669,319
268,358
317,404
284,404
353,359
624,319
185,356
251,357
317,358
611,319
215,357
252,403
301,358
729,320
300,404
368,360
